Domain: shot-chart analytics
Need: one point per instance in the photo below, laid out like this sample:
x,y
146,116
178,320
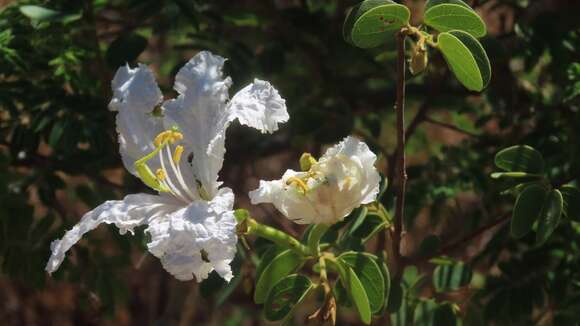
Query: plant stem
x,y
324,275
400,160
314,238
280,238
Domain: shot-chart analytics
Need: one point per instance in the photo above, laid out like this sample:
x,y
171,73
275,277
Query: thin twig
x,y
417,119
450,127
445,250
402,173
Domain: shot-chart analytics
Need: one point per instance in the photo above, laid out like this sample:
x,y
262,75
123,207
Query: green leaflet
x,y
526,210
550,216
285,295
450,277
448,15
520,158
368,271
571,196
283,264
466,58
355,290
371,22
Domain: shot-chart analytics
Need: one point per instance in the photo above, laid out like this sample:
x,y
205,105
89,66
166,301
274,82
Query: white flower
x,y
177,149
342,180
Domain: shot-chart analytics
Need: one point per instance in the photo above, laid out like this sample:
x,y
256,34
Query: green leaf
x,y
451,277
515,175
283,264
358,296
453,15
372,22
387,285
520,158
425,313
38,14
550,217
266,258
56,133
466,58
527,209
354,288
126,48
411,276
341,295
369,272
285,295
571,196
360,214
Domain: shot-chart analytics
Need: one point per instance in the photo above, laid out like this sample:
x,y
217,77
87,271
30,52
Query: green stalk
x,y
318,230
251,226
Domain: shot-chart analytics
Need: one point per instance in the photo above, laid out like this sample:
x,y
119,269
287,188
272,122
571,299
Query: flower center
x,y
168,177
307,164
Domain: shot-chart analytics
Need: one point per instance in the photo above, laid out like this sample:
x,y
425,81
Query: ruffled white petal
x,y
197,239
202,113
259,106
342,180
126,214
135,96
287,199
359,153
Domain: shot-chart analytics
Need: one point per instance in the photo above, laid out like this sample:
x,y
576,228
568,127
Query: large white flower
x,y
342,180
177,148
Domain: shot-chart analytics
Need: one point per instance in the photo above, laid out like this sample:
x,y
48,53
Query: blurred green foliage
x,y
58,145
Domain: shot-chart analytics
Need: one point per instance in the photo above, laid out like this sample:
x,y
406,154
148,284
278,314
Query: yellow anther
x,y
160,174
167,136
161,138
307,161
177,154
298,183
176,136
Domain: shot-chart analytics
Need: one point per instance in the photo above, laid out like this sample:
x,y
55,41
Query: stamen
x,y
160,174
161,138
170,184
177,154
298,183
167,137
161,180
177,172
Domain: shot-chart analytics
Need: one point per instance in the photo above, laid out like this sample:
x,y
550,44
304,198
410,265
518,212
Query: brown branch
x,y
450,127
445,250
402,173
419,117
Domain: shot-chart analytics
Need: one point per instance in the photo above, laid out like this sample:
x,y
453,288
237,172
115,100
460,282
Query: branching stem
x,y
400,160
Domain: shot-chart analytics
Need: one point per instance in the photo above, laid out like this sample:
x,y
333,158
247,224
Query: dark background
x,y
59,153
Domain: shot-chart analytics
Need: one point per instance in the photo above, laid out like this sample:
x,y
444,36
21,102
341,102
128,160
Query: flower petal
x,y
202,114
342,180
197,239
126,214
259,106
288,200
135,96
359,152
